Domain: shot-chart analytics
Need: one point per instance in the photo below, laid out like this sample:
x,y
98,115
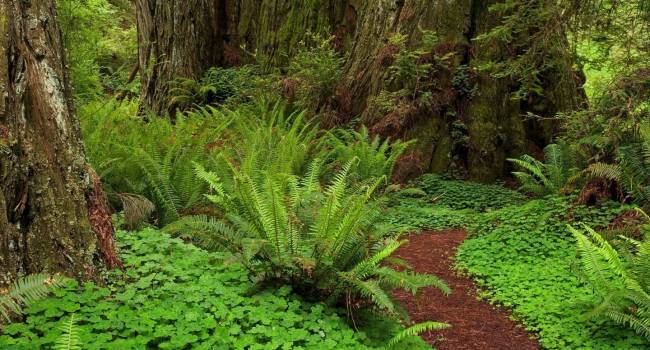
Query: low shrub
x,y
289,229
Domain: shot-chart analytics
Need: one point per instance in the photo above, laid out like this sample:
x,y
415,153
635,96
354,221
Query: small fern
x,y
69,339
553,175
25,292
416,329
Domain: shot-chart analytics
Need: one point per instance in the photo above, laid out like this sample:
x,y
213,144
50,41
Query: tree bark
x,y
177,39
467,134
182,39
3,56
470,134
273,29
53,216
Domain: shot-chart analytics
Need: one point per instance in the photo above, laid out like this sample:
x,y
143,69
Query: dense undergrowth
x,y
176,296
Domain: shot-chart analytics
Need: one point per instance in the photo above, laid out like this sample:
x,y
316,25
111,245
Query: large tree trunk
x,y
182,39
53,216
273,29
177,39
468,134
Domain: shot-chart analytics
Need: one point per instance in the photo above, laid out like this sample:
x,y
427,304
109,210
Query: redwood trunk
x,y
467,134
3,56
47,189
182,39
177,39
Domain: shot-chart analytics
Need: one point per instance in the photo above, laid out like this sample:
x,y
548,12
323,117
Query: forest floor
x,y
476,324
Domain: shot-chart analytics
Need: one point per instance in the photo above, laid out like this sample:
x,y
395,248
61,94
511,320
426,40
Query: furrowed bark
x,y
46,187
176,39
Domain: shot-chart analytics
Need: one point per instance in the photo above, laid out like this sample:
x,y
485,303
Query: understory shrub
x,y
219,87
153,159
313,72
267,136
632,168
318,239
552,176
376,157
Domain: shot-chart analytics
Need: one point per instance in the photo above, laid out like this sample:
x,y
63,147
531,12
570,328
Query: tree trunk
x,y
273,29
182,39
3,57
53,215
177,39
471,124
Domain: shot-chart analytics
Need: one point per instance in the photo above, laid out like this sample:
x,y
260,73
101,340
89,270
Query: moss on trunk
x,y
44,179
473,124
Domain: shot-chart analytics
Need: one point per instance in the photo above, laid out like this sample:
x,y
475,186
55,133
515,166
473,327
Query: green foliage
x,y
553,176
417,329
176,296
632,171
69,339
622,285
407,214
315,70
525,259
411,75
467,195
218,86
266,136
25,292
100,40
320,240
151,159
376,158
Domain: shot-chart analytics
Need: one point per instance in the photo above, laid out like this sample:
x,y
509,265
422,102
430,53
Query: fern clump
x,y
631,170
377,158
151,162
623,284
552,176
218,86
290,229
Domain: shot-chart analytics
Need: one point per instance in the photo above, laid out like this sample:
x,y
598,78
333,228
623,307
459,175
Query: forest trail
x,y
476,325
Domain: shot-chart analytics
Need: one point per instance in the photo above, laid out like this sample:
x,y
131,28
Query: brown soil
x,y
476,324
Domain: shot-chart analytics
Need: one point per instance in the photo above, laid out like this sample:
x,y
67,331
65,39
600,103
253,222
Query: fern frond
x,y
69,339
373,291
26,291
606,171
415,330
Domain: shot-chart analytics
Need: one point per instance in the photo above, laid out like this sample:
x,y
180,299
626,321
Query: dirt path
x,y
476,325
